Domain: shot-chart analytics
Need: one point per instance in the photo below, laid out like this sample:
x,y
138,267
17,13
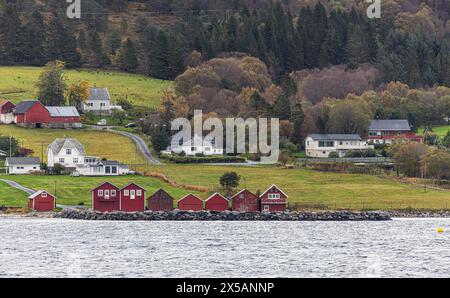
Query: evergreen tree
x,y
128,56
282,108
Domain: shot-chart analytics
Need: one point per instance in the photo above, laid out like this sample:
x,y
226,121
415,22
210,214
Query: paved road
x,y
142,146
30,191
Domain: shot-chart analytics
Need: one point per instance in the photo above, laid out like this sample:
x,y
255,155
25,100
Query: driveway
x,y
142,146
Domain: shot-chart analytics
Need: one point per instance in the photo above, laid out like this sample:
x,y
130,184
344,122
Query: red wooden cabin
x,y
245,201
32,113
105,198
42,201
216,202
6,106
273,200
160,201
191,203
132,198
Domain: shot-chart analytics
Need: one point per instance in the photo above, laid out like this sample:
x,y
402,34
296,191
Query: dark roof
x,y
109,163
23,160
161,192
335,137
99,94
395,125
24,106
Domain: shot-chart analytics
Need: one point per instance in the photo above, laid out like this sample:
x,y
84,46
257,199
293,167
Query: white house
x,y
99,101
22,165
196,145
71,154
321,145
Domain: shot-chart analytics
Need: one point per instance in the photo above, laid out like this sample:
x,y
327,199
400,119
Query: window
x,y
100,192
102,104
108,170
321,144
139,192
266,208
106,192
193,149
44,195
241,196
61,160
274,196
132,194
114,170
341,143
90,104
68,151
75,160
113,192
126,192
330,144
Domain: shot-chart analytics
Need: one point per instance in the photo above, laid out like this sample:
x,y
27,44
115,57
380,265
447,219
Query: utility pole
x,y
10,144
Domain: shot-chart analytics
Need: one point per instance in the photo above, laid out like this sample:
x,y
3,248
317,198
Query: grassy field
x,y
312,187
76,190
96,143
18,83
441,131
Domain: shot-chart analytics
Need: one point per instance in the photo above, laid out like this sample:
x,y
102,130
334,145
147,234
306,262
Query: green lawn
x,y
441,131
307,186
75,190
97,143
18,83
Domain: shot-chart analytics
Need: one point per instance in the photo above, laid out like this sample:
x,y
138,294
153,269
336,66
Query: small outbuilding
x,y
132,198
273,200
22,165
190,203
216,202
42,201
106,198
245,201
160,201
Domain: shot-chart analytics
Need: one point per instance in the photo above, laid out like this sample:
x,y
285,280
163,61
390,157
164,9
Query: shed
x,y
245,201
42,201
105,198
190,203
160,201
132,198
216,202
273,200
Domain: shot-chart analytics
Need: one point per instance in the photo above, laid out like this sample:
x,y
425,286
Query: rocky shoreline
x,y
177,215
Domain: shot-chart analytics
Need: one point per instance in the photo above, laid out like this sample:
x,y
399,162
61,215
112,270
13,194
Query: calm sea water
x,y
65,248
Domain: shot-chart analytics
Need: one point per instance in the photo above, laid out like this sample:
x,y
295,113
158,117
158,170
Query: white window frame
x,y
113,193
266,208
139,192
126,192
44,195
68,151
100,192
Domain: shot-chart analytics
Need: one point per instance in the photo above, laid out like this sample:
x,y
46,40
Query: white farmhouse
x,y
71,154
99,101
196,145
22,165
321,145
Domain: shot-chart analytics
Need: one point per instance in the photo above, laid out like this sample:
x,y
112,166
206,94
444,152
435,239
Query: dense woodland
x,y
409,44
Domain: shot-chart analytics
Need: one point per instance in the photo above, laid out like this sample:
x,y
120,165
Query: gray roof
x,y
63,111
394,125
335,137
58,144
24,106
99,94
23,161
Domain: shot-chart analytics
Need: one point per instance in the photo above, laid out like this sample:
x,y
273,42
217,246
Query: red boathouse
x,y
245,201
105,198
273,200
160,201
42,201
132,198
190,203
216,202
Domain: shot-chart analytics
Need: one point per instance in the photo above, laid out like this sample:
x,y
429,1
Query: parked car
x,y
130,125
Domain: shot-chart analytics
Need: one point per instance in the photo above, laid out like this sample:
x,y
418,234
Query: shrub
x,y
333,154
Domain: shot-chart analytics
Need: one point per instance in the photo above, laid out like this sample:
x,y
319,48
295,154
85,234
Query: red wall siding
x,y
129,203
37,114
7,107
216,203
160,201
245,201
101,203
275,205
65,119
190,202
42,204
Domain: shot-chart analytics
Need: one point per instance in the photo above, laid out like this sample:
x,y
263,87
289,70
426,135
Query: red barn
x,y
105,198
31,113
160,201
64,117
132,198
42,201
190,203
273,200
216,202
245,201
6,106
